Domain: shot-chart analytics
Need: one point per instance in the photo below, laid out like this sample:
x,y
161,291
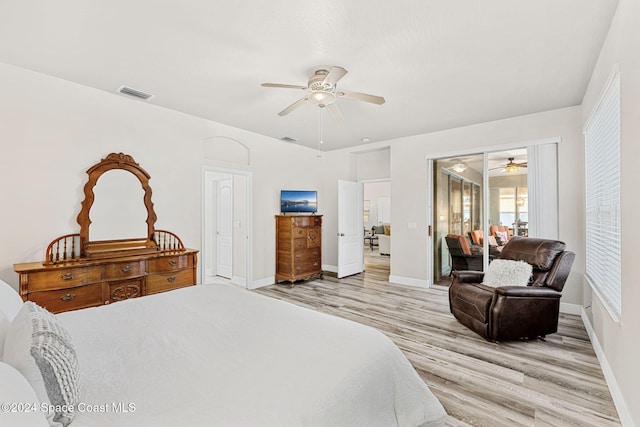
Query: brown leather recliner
x,y
514,312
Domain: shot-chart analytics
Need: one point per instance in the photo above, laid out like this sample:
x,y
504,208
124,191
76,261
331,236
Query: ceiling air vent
x,y
287,139
125,90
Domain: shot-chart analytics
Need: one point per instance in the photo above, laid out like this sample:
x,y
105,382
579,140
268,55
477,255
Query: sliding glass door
x,y
470,194
458,209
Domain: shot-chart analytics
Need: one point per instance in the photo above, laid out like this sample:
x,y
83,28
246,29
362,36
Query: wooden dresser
x,y
93,282
91,268
298,247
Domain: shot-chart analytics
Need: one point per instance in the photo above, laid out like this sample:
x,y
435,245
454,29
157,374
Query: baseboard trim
x,y
330,268
618,399
568,308
236,280
262,282
409,281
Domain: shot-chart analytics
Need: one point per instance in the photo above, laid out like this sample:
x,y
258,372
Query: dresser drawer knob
x,y
67,276
67,297
126,269
171,279
173,262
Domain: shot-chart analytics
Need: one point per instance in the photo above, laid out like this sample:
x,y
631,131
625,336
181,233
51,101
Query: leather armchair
x,y
515,312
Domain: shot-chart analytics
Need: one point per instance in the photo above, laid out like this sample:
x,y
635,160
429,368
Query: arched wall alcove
x,y
225,149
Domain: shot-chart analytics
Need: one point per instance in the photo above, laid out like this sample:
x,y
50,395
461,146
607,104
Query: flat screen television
x,y
298,201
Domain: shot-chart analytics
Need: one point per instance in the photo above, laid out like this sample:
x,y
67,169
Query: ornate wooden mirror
x,y
118,227
111,177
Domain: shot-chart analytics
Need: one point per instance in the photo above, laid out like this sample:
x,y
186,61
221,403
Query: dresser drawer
x,y
124,270
63,278
307,221
69,299
298,232
302,255
307,267
160,282
169,263
299,244
125,289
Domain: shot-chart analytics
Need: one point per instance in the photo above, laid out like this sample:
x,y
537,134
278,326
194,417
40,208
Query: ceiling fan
x,y
323,92
511,166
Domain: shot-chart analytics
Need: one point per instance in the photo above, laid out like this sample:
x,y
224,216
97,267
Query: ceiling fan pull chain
x,y
321,128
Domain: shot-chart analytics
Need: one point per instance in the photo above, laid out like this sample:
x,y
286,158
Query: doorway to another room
x,y
377,229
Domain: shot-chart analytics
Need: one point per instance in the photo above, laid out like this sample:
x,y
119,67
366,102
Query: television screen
x,y
298,201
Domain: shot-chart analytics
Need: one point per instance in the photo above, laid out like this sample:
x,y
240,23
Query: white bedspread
x,y
217,355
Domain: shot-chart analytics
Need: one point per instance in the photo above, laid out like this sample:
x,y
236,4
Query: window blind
x,y
602,184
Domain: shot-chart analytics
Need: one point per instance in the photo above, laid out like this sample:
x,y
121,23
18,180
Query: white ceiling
x,y
439,63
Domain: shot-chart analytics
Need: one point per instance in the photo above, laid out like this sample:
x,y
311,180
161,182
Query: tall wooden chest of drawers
x,y
298,247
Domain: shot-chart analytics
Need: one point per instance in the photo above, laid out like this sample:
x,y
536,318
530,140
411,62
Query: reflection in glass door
x,y
508,193
457,212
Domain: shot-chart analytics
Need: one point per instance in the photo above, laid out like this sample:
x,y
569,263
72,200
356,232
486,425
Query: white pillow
x,y
10,301
40,348
503,272
16,390
5,324
10,305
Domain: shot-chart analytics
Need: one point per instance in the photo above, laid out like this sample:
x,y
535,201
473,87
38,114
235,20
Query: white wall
x,y
52,131
373,164
619,341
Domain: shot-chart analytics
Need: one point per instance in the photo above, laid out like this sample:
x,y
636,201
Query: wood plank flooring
x,y
556,382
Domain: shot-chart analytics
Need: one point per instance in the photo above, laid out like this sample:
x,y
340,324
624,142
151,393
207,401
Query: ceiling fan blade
x,y
335,112
335,74
293,106
361,97
283,86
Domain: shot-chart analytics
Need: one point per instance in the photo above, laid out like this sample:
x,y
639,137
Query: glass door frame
x,y
485,152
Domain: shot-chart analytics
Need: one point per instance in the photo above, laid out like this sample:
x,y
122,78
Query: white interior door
x,y
350,235
240,204
224,229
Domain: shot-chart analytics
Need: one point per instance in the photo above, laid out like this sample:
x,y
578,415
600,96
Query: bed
x,y
218,355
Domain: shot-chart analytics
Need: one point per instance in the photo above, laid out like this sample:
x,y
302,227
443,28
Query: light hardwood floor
x,y
556,382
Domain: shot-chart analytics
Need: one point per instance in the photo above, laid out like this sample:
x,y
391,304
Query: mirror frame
x,y
111,247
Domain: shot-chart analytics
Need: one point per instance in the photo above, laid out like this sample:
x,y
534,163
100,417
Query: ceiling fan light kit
x,y
511,168
459,166
322,98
